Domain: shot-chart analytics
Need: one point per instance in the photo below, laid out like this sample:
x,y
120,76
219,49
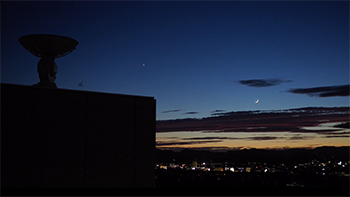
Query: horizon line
x,y
226,149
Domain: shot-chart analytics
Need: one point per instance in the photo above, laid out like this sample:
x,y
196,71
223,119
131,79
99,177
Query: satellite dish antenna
x,y
48,47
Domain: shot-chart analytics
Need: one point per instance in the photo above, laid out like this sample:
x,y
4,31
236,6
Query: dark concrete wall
x,y
66,138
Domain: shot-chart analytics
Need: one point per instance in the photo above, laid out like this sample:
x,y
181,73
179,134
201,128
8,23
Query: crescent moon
x,y
257,101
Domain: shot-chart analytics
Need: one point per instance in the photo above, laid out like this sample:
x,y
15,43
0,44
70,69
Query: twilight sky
x,y
204,60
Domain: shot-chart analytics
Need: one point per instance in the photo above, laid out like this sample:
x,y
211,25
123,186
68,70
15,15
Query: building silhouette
x,y
66,138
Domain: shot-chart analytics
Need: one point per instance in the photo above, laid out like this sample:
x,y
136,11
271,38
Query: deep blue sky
x,y
195,53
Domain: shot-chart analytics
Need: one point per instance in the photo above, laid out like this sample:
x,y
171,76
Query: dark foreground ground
x,y
254,183
198,183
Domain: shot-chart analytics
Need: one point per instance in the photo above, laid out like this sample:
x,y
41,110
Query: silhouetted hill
x,y
257,155
341,153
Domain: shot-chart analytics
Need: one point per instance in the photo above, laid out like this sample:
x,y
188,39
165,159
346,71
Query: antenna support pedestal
x,y
47,70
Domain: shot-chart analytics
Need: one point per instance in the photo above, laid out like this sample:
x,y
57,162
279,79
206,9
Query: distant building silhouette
x,y
66,138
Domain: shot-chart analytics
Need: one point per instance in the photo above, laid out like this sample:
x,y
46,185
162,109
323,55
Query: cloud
x,y
337,136
217,112
345,125
184,143
204,148
262,138
263,82
190,113
290,120
336,132
299,137
255,138
170,111
212,138
325,91
232,138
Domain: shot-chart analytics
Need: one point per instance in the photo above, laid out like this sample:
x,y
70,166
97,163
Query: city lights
x,y
327,168
233,172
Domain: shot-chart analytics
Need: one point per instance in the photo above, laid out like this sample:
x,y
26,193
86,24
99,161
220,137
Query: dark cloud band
x,y
190,113
256,138
184,143
263,82
170,111
325,91
292,120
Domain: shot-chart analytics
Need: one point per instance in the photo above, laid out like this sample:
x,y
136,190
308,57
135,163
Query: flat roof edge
x,y
82,91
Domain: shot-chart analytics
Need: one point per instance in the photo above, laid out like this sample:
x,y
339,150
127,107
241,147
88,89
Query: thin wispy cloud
x,y
255,138
190,113
299,137
336,132
171,111
324,91
263,82
263,138
211,138
184,142
345,125
217,112
337,136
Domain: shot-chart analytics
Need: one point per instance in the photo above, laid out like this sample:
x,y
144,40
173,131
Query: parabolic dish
x,y
48,45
